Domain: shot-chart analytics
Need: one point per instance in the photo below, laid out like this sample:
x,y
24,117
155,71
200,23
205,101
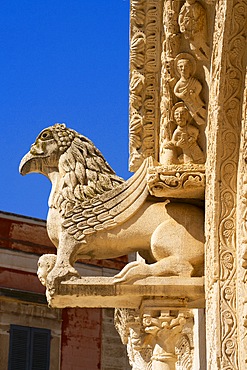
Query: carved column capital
x,y
155,338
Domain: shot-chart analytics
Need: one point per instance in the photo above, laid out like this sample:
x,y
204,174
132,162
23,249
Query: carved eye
x,y
46,135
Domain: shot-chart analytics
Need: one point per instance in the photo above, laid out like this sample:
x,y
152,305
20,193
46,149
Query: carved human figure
x,y
188,88
193,25
183,144
171,29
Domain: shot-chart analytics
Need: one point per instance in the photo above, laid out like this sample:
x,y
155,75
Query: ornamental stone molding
x,y
242,238
145,47
177,181
169,93
224,310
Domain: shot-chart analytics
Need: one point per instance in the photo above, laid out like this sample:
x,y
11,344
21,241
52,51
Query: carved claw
x,y
59,274
170,266
132,272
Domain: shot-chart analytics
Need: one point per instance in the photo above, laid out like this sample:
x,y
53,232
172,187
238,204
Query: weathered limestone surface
x,y
156,338
223,268
201,63
241,257
95,214
103,292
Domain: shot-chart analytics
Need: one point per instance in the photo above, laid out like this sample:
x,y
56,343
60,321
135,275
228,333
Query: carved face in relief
x,y
181,116
184,68
185,65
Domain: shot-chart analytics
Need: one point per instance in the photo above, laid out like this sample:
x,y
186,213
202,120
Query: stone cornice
x,y
102,292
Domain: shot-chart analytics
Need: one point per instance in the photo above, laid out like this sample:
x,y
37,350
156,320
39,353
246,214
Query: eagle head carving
x,y
67,157
47,149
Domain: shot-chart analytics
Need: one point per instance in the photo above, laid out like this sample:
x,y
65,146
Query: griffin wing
x,y
112,208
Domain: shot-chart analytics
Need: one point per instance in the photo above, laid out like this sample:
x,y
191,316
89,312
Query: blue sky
x,y
61,61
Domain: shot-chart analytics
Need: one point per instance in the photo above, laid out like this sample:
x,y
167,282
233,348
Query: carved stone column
x,y
242,240
157,339
145,46
223,137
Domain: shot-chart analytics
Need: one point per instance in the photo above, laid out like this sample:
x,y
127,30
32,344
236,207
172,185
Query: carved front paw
x,y
57,275
132,272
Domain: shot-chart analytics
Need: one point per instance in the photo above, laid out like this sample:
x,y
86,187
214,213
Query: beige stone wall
x,y
114,354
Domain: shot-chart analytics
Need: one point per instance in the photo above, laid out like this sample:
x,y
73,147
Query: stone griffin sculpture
x,y
93,213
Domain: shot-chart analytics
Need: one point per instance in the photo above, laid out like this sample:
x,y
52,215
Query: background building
x,y
31,333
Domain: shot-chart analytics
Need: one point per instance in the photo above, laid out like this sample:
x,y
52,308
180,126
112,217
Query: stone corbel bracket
x,y
177,181
175,292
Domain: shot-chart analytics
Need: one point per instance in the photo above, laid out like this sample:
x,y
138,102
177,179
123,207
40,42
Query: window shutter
x,y
29,348
18,349
40,339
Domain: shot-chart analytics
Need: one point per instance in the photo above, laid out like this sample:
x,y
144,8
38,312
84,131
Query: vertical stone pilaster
x,y
223,140
145,49
242,241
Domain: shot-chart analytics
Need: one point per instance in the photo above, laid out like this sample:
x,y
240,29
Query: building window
x,y
29,348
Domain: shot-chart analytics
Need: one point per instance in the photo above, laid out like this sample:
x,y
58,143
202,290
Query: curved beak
x,y
28,164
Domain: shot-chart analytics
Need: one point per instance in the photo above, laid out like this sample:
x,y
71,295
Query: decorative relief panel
x,y
242,239
192,22
225,102
186,181
169,69
183,89
145,17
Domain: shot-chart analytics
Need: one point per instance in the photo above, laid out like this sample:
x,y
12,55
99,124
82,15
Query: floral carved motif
x,y
242,235
170,48
129,326
224,123
177,181
145,19
157,338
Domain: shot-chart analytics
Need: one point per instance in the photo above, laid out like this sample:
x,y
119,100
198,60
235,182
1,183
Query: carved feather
x,y
109,209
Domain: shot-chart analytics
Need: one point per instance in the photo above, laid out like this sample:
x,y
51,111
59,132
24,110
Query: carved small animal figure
x,y
93,213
